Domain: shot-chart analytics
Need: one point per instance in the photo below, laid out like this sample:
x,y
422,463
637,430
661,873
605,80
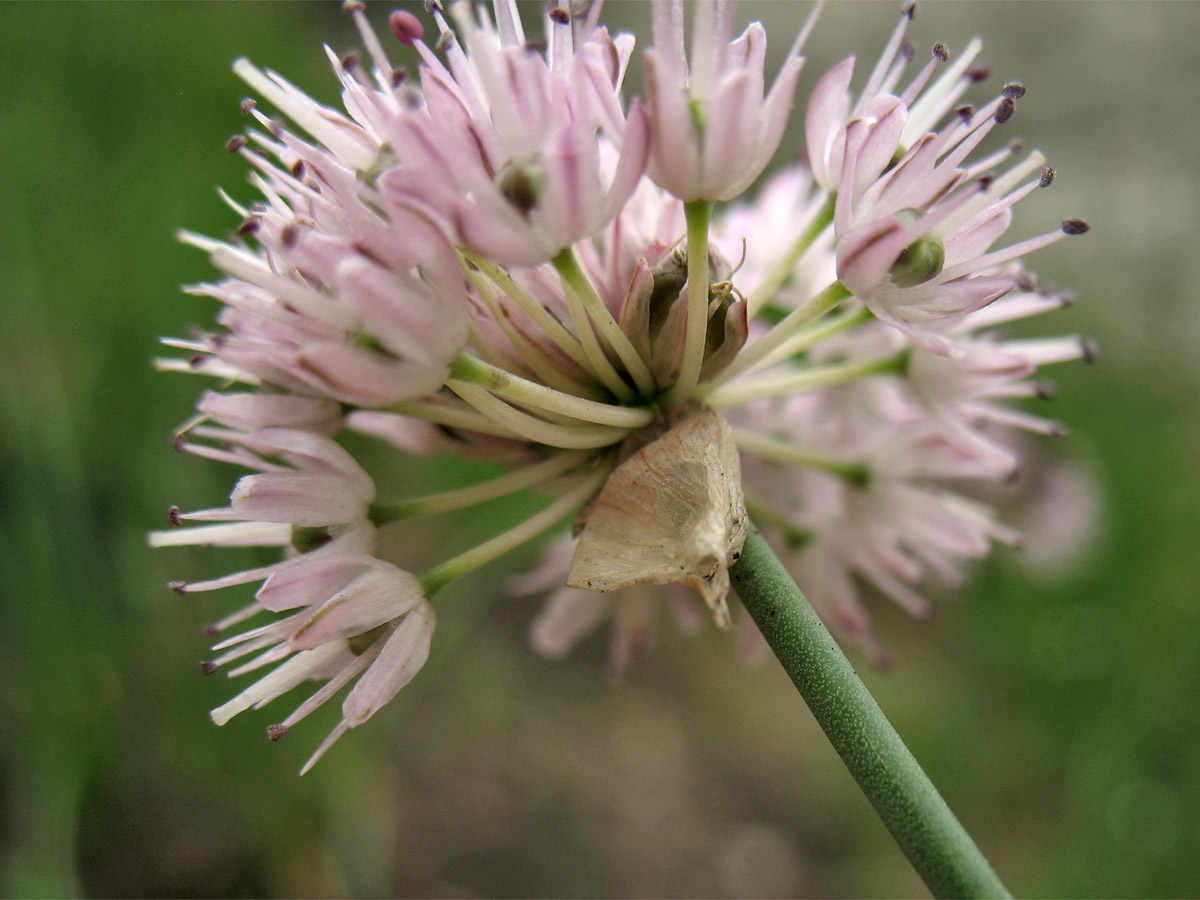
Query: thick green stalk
x,y
934,841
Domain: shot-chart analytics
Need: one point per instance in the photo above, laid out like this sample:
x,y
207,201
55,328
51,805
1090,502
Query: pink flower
x,y
713,130
511,263
359,618
517,154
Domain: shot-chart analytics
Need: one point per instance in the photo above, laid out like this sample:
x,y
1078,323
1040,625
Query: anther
x,y
1043,390
207,668
350,7
432,6
1013,90
965,112
173,516
1005,110
909,10
1047,176
560,16
247,105
1089,349
1075,226
249,225
985,182
940,51
406,27
211,630
399,76
349,62
979,73
298,169
275,732
179,587
1016,146
289,236
177,442
235,143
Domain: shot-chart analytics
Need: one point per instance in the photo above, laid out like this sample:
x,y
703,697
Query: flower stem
x,y
501,486
698,214
779,451
787,328
576,280
513,387
779,274
433,580
805,379
532,428
934,841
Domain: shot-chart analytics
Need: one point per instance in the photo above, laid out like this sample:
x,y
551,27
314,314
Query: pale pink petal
x,y
401,658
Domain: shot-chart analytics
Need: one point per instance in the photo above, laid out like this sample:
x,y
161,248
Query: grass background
x,y
1058,716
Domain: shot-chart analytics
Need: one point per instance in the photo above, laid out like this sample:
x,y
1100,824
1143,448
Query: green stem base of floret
x,y
934,841
698,214
433,580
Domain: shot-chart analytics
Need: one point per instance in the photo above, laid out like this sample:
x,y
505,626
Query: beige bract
x,y
672,513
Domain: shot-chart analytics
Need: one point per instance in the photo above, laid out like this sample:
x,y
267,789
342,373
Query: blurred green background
x,y
1058,715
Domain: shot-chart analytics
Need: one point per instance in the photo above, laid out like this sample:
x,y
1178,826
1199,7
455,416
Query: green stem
x,y
787,383
513,387
553,329
698,214
433,580
576,280
934,841
786,328
786,452
501,486
779,274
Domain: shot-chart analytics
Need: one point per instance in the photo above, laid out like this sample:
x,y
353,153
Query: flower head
x,y
505,259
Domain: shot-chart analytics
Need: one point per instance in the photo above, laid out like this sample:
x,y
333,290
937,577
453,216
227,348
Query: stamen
x,y
406,27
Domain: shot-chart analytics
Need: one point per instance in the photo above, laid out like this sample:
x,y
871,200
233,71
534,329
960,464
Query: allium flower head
x,y
503,258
